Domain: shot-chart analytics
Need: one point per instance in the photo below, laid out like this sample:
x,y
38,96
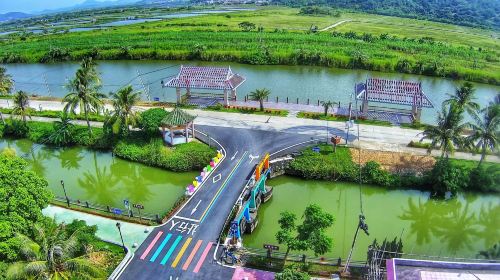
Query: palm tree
x,y
260,95
21,105
492,253
463,99
123,101
63,130
54,256
327,105
485,134
6,82
84,91
448,132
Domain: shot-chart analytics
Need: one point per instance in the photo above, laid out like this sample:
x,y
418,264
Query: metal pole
x,y
65,195
121,237
352,249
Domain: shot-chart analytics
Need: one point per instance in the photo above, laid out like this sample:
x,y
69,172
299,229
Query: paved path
x,y
382,138
335,25
183,247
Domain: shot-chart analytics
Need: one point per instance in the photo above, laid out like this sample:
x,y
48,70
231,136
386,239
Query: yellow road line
x,y
223,185
181,252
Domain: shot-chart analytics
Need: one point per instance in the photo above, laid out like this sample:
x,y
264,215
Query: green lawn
x,y
248,110
330,117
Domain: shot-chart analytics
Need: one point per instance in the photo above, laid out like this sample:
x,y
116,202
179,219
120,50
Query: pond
x,y
303,82
100,178
459,227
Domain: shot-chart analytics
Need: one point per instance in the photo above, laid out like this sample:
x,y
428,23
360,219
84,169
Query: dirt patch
x,y
395,162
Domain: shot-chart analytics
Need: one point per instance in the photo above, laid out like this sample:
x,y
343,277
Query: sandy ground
x,y
394,161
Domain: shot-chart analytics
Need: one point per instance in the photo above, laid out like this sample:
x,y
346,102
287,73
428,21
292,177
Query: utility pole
x,y
361,225
47,85
146,90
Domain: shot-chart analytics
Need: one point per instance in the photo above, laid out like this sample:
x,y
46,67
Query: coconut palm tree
x,y
63,130
326,105
84,91
123,101
485,134
21,105
6,82
448,133
53,256
463,99
492,253
260,95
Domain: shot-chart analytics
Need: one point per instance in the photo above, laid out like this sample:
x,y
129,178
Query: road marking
x,y
176,278
253,157
181,252
158,251
232,158
187,219
191,256
144,255
216,178
196,207
222,187
202,258
171,250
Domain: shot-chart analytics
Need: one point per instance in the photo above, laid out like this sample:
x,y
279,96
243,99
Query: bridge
x,y
184,246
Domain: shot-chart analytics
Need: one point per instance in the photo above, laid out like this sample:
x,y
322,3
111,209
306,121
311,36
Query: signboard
x,y
117,211
138,206
335,140
271,247
315,149
156,98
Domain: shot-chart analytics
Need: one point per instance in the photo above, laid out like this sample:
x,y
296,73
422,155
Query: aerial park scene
x,y
158,152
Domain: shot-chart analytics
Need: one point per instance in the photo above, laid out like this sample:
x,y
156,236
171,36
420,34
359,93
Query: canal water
x,y
303,82
460,227
100,178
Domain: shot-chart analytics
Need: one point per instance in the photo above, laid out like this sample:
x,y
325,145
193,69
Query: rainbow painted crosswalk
x,y
163,247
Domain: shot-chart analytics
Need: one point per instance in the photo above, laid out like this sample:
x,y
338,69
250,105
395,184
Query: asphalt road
x,y
183,247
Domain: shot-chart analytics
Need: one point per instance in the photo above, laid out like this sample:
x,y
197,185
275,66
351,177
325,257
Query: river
x,y
303,82
457,228
100,178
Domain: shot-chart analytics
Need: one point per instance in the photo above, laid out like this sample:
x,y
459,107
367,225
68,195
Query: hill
x,y
483,13
13,16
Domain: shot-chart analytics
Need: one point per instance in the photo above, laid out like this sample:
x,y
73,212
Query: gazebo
x,y
208,78
393,92
177,127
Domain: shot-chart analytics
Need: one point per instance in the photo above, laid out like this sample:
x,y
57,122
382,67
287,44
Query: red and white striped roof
x,y
394,92
200,77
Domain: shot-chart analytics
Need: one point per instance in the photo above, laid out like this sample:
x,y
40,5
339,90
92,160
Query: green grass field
x,y
455,52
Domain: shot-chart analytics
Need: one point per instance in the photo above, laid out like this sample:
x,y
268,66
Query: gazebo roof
x,y
393,92
201,77
177,118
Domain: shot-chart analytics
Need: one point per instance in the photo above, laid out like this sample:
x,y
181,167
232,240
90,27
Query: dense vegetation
x,y
471,12
219,38
446,176
32,245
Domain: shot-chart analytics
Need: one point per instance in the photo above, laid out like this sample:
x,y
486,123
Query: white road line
x,y
252,157
216,178
232,158
184,218
196,207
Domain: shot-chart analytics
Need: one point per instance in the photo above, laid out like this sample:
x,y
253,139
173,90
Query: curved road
x,y
183,247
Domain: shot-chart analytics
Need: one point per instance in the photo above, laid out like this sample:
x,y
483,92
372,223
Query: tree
x,y
54,255
287,233
150,120
448,132
260,95
485,134
21,105
492,253
311,233
123,115
246,26
326,105
23,195
84,91
6,82
291,274
463,99
63,130
445,177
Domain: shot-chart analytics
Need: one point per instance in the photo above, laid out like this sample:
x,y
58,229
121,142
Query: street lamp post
x,y
118,225
361,225
65,195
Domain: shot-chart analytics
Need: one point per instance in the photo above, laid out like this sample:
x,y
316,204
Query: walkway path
x,y
334,25
382,138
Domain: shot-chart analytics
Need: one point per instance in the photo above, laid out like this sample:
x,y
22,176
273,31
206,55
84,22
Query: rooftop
x,y
201,77
177,117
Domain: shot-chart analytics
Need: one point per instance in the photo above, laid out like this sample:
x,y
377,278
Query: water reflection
x,y
489,215
69,158
458,228
420,214
99,184
136,183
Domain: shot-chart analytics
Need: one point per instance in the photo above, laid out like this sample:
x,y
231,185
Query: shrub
x,y
373,174
486,179
150,120
15,128
445,177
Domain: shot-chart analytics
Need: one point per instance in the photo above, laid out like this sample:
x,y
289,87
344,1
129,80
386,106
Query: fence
x,y
109,211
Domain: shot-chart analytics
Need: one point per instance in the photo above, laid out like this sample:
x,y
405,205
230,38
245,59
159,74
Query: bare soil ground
x,y
395,162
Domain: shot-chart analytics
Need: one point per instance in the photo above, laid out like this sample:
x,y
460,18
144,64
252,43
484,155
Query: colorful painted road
x,y
183,247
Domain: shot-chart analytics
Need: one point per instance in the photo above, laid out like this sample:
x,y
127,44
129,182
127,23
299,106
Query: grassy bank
x,y
247,110
338,118
283,41
446,175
